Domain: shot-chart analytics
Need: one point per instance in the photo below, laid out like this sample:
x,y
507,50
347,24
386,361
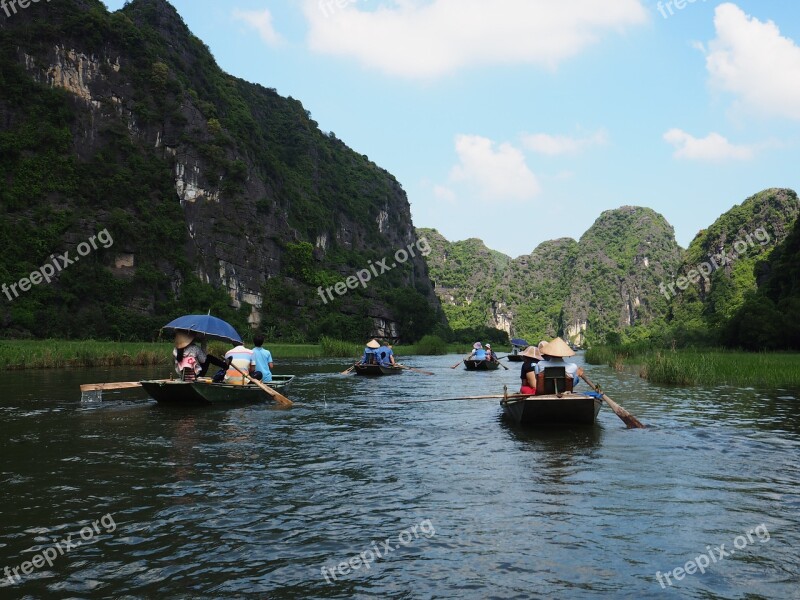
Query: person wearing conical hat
x,y
191,358
554,353
370,356
530,357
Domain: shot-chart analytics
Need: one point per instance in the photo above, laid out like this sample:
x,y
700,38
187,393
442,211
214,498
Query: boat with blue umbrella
x,y
518,346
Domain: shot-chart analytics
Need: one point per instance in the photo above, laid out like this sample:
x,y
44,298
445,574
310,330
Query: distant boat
x,y
481,365
198,393
518,346
373,370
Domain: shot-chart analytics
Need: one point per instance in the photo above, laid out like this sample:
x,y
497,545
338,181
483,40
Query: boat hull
x,y
543,410
183,393
481,365
515,358
377,370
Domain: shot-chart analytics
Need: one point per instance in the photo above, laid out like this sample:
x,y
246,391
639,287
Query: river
x,y
426,500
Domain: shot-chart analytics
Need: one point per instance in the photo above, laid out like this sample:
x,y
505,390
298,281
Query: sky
x,y
521,121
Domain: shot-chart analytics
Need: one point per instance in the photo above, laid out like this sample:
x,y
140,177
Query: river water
x,y
442,500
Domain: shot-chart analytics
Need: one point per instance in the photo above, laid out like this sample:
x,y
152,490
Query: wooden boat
x,y
372,370
518,345
481,365
568,407
204,392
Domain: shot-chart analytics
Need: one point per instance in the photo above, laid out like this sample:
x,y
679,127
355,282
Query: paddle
x,y
501,364
279,398
492,397
459,362
347,371
630,421
119,385
415,370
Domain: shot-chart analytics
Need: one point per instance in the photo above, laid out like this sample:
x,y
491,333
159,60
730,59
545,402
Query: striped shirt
x,y
242,358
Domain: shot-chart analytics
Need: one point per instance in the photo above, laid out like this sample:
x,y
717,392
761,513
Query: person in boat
x,y
242,358
190,357
386,355
490,355
530,358
262,358
478,353
370,356
554,354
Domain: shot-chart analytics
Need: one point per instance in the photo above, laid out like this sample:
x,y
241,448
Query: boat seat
x,y
553,380
188,374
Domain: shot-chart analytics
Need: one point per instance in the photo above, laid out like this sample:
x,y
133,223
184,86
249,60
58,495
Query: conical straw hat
x,y
532,352
373,344
558,347
183,339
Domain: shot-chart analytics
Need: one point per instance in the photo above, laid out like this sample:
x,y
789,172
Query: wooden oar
x,y
630,421
501,364
459,362
279,398
119,385
491,397
415,370
347,371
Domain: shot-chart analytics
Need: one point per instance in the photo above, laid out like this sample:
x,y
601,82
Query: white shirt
x,y
570,368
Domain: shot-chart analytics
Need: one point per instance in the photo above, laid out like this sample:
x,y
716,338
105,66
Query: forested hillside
x,y
218,194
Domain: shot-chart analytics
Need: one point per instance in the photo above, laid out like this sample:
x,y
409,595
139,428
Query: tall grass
x,y
715,367
339,349
56,354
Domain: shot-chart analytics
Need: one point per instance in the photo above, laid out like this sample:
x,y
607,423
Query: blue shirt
x,y
369,357
479,354
384,354
262,358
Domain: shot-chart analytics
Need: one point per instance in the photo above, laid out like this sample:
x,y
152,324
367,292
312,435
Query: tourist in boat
x,y
262,358
530,358
370,356
386,355
478,353
553,354
191,359
490,355
242,358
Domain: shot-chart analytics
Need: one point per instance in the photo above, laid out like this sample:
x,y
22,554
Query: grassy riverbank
x,y
704,366
59,354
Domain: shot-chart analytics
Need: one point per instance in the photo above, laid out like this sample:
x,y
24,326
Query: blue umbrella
x,y
212,327
520,343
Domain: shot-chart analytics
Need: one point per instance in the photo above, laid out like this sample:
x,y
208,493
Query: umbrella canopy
x,y
520,343
212,327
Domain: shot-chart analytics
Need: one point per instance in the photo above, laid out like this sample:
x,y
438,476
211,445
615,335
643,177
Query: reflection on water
x,y
254,501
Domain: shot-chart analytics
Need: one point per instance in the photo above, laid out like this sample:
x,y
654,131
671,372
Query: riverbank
x,y
713,366
60,354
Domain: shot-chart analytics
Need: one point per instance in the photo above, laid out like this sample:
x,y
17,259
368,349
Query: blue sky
x,y
519,121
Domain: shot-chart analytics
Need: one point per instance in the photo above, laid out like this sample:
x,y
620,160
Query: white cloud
x,y
416,39
444,193
261,21
497,172
753,60
554,145
713,147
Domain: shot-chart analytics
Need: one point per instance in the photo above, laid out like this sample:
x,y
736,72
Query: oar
x,y
492,397
347,371
416,370
119,385
629,420
502,365
279,398
459,362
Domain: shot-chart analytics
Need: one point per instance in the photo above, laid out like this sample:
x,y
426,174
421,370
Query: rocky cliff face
x,y
605,283
134,95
